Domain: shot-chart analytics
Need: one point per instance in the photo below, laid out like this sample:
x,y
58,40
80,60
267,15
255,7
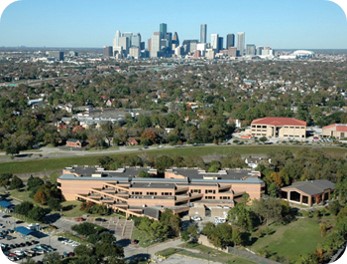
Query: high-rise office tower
x,y
251,50
203,33
155,44
124,44
168,37
214,41
162,30
230,41
260,51
241,40
175,41
220,43
107,51
116,47
136,40
57,55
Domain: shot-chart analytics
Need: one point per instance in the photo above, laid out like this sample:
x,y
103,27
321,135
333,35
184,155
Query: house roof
x,y
279,121
337,127
73,140
312,187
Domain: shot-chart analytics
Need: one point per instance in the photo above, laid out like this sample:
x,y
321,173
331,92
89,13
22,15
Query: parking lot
x,y
17,246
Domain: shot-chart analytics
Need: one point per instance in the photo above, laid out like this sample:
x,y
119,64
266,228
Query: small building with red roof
x,y
279,127
338,131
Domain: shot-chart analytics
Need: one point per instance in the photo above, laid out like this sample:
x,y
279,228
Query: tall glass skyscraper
x,y
241,40
163,30
203,33
230,41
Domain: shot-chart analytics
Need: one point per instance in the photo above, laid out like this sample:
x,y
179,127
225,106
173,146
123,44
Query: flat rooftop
x,y
227,174
188,176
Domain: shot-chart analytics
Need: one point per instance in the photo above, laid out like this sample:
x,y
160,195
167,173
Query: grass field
x,y
33,166
203,252
291,241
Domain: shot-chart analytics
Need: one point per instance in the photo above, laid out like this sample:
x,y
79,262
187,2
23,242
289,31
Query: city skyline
x,y
88,23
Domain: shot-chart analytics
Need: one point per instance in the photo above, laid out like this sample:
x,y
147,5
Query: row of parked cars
x,y
18,254
69,242
6,234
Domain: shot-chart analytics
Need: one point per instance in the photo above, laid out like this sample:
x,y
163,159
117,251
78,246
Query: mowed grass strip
x,y
291,241
50,164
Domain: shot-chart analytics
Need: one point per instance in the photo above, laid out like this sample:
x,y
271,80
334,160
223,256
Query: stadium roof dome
x,y
303,52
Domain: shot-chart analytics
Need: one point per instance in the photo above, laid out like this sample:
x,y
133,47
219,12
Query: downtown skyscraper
x,y
230,41
241,42
203,33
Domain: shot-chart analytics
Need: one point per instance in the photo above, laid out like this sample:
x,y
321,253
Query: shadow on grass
x,y
68,207
123,242
138,258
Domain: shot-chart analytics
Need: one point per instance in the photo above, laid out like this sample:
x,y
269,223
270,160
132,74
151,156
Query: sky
x,y
292,24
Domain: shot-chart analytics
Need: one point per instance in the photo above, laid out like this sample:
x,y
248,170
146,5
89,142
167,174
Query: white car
x,y
196,218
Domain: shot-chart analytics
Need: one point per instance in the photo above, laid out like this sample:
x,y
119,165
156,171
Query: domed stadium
x,y
303,54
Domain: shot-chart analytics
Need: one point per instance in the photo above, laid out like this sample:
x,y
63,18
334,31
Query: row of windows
x,y
152,193
297,136
292,127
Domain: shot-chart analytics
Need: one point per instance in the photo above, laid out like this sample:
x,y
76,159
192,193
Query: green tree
x,y
241,216
38,213
270,210
52,258
163,162
23,208
34,183
5,180
82,250
54,204
16,183
172,221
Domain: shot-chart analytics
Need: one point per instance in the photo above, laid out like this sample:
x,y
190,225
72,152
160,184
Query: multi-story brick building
x,y
338,131
278,127
183,190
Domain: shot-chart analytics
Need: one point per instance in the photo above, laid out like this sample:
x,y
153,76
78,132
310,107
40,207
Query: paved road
x,y
49,152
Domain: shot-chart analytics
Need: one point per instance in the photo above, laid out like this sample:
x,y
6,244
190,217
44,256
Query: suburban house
x,y
338,131
183,190
132,142
278,127
308,192
74,143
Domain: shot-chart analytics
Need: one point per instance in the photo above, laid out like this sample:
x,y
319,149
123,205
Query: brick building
x,y
183,190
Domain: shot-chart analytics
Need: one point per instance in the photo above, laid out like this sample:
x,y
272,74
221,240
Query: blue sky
x,y
92,23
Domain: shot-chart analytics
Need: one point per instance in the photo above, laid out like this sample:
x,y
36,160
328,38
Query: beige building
x,y
184,191
308,192
338,131
278,127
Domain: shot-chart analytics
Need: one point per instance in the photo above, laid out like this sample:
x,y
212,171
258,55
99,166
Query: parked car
x,y
196,218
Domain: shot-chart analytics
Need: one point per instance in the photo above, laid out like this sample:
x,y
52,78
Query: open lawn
x,y
21,195
291,241
32,166
72,209
203,252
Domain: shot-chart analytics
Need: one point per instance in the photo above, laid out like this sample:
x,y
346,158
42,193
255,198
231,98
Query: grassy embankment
x,y
56,164
289,242
202,252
